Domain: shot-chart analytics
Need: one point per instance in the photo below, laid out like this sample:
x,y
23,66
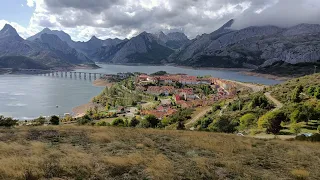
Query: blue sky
x,y
16,11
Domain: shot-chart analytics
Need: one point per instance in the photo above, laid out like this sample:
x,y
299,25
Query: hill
x,y
20,62
71,152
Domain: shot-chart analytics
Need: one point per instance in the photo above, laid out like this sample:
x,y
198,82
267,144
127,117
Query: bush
x,y
7,122
247,121
134,122
205,122
84,120
318,129
39,121
55,120
216,107
153,120
272,121
223,124
295,128
118,122
144,124
101,123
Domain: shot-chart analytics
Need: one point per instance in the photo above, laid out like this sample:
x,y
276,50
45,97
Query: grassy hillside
x,y
283,91
20,62
71,152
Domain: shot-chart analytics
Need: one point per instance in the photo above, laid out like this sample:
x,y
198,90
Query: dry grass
x,y
71,152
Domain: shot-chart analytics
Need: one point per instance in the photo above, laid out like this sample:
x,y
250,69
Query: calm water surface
x,y
28,96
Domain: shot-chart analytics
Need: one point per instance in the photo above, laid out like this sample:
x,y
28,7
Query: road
x,y
277,103
199,115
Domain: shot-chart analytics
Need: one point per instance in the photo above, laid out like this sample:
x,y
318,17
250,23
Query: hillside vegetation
x,y
71,152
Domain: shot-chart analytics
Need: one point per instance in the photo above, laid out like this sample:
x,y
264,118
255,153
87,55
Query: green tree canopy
x,y
247,120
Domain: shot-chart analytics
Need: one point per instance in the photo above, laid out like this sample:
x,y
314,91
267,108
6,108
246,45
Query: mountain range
x,y
252,47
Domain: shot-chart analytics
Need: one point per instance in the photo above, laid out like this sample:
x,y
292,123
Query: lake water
x,y
29,96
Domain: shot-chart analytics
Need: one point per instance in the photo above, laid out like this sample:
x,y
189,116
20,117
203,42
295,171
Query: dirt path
x,y
277,103
198,116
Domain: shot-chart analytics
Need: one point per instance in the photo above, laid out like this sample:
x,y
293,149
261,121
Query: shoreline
x,y
267,76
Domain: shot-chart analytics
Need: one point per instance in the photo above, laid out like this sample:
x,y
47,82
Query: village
x,y
163,95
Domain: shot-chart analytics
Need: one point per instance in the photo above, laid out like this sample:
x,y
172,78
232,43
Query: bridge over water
x,y
63,73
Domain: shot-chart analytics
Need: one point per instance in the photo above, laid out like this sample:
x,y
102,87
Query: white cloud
x,y
127,18
30,3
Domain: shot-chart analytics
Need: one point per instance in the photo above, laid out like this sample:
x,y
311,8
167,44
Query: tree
x,y
54,120
295,128
205,122
134,122
272,121
101,123
118,122
7,122
311,90
223,124
39,121
181,126
295,97
247,120
153,120
317,93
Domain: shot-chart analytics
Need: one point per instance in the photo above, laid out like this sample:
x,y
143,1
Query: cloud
x,y
282,13
23,32
30,3
127,18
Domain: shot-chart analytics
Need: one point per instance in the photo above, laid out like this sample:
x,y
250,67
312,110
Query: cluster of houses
x,y
184,97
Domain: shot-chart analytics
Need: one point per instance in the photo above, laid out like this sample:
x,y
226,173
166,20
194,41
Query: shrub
x,y
272,121
216,107
7,122
247,120
295,97
295,128
318,129
118,122
39,121
144,124
84,120
54,120
153,120
223,124
134,122
205,122
101,123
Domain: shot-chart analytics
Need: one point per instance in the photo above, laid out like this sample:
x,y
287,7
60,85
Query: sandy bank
x,y
81,110
102,83
267,76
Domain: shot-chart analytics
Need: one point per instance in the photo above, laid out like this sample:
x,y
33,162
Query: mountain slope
x,y
48,50
252,47
173,40
89,48
20,62
144,48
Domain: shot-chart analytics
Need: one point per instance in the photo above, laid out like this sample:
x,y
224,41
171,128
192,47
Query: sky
x,y
127,18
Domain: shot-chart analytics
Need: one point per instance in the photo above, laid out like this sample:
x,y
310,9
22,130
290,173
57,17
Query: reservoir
x,y
29,96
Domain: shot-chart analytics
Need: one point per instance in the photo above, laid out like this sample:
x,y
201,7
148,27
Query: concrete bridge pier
x,y
71,75
75,74
80,75
66,74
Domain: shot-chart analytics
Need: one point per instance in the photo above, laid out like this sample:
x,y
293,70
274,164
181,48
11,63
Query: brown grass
x,y
71,152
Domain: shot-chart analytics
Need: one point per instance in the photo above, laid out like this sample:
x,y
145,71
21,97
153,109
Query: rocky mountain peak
x,y
8,30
